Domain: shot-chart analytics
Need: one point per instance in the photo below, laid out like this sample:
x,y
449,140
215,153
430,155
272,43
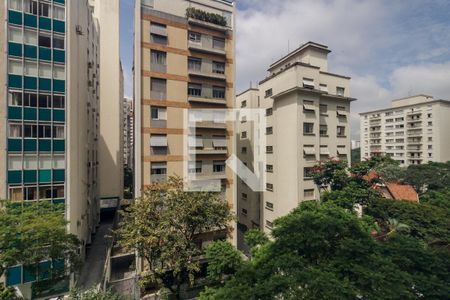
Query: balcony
x,y
211,124
200,146
207,95
207,69
415,132
207,44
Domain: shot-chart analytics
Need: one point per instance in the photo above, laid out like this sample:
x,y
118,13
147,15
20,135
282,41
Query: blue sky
x,y
390,48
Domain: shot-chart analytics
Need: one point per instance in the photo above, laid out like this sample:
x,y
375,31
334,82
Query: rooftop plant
x,y
201,15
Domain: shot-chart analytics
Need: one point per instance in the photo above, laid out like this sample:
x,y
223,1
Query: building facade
x,y
412,131
307,120
50,74
181,64
128,132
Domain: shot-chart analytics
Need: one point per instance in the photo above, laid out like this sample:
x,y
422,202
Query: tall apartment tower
x,y
50,78
128,132
412,131
307,119
183,63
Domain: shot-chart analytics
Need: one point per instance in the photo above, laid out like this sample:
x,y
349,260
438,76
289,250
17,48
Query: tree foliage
x,y
164,226
34,232
94,294
432,176
7,293
322,251
223,259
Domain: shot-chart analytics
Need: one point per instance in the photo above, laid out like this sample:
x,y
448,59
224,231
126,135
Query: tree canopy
x,y
34,232
165,228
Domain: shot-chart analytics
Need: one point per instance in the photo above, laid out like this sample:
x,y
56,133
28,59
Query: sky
x,y
390,49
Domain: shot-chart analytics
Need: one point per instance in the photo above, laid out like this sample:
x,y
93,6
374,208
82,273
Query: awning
x,y
158,141
342,113
324,151
196,142
219,142
159,165
309,151
309,107
342,151
308,83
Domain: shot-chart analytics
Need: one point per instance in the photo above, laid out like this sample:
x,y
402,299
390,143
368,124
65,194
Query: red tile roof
x,y
402,192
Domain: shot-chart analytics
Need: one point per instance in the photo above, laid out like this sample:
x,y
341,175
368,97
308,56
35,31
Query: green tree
x,y
432,176
94,294
128,182
8,293
321,251
356,156
223,259
34,232
440,198
165,226
331,174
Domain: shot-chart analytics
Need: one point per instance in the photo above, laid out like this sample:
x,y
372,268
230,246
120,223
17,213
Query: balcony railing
x,y
207,44
206,69
207,94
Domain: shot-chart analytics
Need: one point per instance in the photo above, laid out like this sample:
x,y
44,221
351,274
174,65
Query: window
x,y
308,194
16,194
44,101
244,104
58,13
159,168
15,5
14,98
195,37
269,130
429,115
341,131
45,131
219,166
58,101
340,91
14,163
58,42
218,92
195,64
30,100
194,89
308,128
218,67
244,134
430,139
244,196
44,40
269,149
58,131
47,192
30,193
15,67
158,57
44,9
195,167
158,39
158,88
430,123
269,205
59,72
308,83
269,224
45,162
218,43
29,131
30,69
269,187
323,87
159,113
308,172
308,106
45,70
15,34
31,6
269,111
59,162
269,168
268,93
244,211
244,150
244,119
323,130
30,37
158,140
30,163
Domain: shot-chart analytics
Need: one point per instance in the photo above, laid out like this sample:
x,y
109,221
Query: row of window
x,y
32,162
309,84
17,130
158,90
160,168
308,129
38,8
26,99
35,38
30,193
33,69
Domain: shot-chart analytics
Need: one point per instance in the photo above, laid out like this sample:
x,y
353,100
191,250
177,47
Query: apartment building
x,y
50,72
412,131
184,60
128,132
307,120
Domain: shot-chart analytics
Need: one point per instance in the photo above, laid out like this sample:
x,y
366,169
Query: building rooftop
x,y
402,192
297,51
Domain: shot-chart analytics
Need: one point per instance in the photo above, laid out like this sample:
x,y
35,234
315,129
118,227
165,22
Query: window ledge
x,y
309,134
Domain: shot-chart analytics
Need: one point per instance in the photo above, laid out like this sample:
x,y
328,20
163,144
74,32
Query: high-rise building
x,y
183,63
307,119
412,131
128,132
50,70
